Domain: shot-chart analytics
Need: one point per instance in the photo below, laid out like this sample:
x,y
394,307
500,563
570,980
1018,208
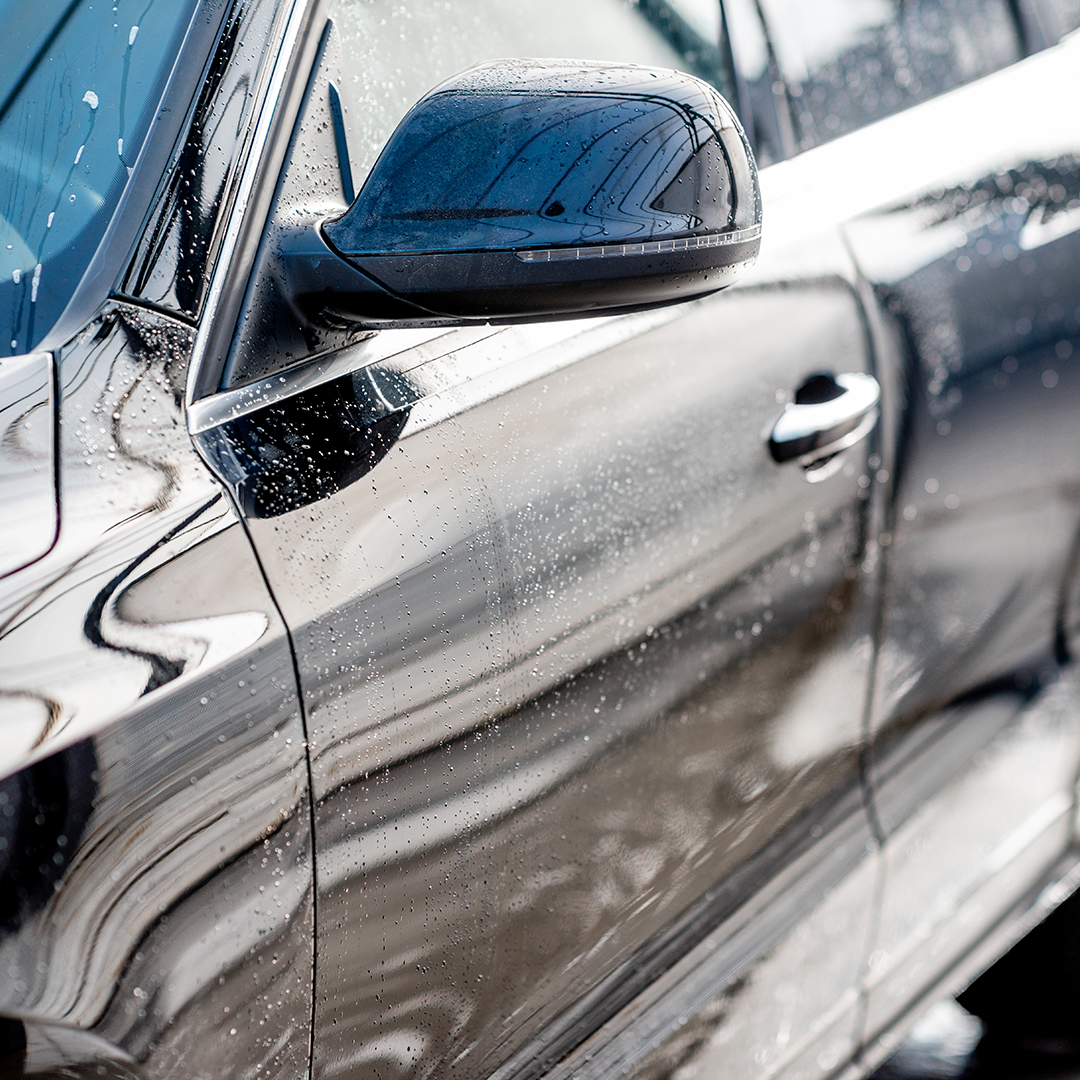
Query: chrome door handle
x,y
829,414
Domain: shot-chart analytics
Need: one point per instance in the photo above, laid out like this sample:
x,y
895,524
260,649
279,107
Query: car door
x,y
959,216
584,668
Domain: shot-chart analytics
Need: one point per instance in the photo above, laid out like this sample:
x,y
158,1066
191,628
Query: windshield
x,y
80,86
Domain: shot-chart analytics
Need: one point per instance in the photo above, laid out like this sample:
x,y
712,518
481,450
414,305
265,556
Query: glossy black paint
x,y
289,456
155,843
972,733
580,154
531,687
28,458
630,751
156,852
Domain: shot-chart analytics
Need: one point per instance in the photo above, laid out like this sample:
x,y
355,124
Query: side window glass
x,y
849,62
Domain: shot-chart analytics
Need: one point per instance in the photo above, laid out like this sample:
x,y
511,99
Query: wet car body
x,y
569,733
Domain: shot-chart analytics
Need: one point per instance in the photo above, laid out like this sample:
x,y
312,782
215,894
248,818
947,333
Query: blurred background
x,y
1012,1022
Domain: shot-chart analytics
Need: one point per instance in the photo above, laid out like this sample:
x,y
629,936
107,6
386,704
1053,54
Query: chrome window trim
x,y
437,373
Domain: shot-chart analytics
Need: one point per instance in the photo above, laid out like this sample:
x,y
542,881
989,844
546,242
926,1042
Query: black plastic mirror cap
x,y
500,286
325,290
530,189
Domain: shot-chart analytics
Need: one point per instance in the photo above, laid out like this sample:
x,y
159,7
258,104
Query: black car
x,y
493,584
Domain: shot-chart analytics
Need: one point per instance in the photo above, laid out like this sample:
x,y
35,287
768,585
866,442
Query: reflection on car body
x,y
688,689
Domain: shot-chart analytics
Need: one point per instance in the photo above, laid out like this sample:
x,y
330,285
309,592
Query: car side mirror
x,y
533,189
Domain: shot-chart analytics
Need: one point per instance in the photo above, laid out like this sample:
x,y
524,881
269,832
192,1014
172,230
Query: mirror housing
x,y
534,189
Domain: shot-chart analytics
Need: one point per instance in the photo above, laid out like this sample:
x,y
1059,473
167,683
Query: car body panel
x,y
534,505
630,749
974,766
973,741
157,845
28,458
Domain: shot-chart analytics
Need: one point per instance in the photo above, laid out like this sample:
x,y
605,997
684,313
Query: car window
x,y
78,98
849,62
